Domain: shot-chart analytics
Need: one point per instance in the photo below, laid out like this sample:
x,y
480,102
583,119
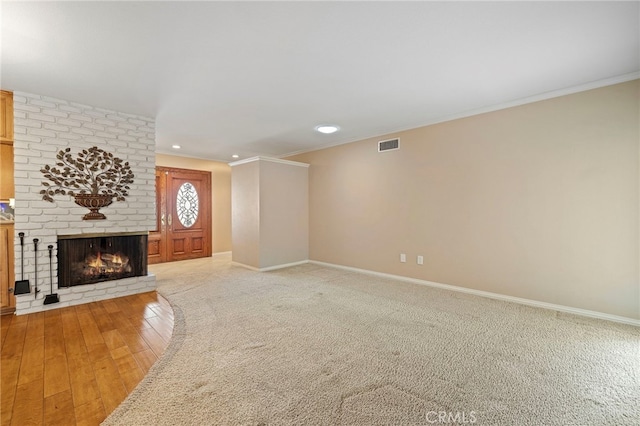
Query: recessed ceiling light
x,y
327,128
175,146
235,156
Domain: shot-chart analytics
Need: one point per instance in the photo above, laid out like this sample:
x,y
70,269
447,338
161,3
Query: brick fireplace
x,y
43,127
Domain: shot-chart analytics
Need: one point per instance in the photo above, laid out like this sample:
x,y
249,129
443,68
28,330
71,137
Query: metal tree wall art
x,y
94,177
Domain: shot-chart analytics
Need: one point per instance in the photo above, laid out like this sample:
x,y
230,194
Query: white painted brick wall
x,y
44,126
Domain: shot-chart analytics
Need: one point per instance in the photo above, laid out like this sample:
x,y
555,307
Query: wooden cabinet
x,y
7,190
6,146
7,300
6,116
7,276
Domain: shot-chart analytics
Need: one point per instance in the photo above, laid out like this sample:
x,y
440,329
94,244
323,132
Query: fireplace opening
x,y
88,259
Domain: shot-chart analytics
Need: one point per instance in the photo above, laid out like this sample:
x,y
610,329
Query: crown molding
x,y
269,159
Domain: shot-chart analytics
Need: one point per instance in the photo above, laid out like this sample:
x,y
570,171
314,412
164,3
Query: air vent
x,y
388,145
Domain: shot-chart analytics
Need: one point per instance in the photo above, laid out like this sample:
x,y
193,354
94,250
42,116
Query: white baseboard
x,y
497,296
221,254
271,268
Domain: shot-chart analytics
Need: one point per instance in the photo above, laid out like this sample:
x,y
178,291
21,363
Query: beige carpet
x,y
311,345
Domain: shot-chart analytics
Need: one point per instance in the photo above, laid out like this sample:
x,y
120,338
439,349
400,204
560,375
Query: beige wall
x,y
220,195
538,201
270,213
245,214
284,207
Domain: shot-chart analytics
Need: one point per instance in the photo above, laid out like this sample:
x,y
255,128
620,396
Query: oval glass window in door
x,y
187,204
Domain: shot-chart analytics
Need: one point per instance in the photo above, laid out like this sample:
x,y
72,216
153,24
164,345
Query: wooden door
x,y
183,209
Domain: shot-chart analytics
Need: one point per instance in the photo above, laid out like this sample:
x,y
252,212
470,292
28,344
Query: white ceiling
x,y
255,78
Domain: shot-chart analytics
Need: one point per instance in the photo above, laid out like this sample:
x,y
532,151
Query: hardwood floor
x,y
75,365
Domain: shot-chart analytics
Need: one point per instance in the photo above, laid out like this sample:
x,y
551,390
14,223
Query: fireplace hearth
x,y
93,258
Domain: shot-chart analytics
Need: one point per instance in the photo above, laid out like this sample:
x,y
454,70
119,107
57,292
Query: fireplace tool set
x,y
23,286
51,297
35,251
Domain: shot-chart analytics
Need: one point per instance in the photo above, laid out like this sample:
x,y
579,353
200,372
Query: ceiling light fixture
x,y
175,146
327,128
235,156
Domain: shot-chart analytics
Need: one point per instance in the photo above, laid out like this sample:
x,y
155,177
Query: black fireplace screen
x,y
92,259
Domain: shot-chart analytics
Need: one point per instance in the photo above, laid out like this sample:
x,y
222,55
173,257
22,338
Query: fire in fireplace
x,y
87,259
103,265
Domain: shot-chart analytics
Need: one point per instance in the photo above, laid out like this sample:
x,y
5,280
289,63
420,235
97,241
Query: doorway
x,y
183,215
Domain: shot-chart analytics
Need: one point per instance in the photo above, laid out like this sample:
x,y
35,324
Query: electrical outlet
x,y
403,257
420,260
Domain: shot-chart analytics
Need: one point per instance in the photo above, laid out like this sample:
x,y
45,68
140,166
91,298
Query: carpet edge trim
x,y
271,268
